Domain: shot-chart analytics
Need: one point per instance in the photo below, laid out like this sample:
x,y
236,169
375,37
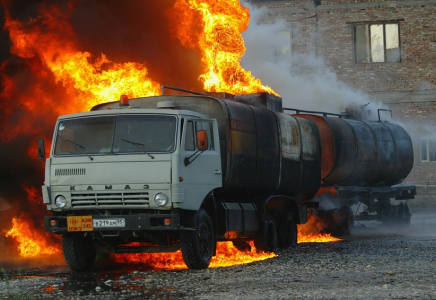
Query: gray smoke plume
x,y
269,57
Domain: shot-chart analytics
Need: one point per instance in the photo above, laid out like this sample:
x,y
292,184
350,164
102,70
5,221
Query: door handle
x,y
217,172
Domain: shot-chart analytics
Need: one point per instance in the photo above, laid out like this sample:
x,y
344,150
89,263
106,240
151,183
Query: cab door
x,y
200,168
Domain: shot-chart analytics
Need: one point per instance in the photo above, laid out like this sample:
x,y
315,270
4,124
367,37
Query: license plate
x,y
79,223
104,223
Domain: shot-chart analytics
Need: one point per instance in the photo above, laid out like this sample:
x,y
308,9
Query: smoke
x,y
424,131
327,202
303,80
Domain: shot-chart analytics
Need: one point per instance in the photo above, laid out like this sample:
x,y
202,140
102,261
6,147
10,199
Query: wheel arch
x,y
281,205
208,204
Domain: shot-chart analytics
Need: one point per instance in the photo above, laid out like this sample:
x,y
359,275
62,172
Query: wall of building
x,y
326,28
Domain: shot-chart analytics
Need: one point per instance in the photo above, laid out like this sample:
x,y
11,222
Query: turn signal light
x,y
167,221
54,223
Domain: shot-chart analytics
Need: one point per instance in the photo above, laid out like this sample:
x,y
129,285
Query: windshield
x,y
116,135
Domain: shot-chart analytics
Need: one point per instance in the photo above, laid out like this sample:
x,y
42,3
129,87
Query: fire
x,y
219,41
60,77
315,237
310,232
32,243
87,80
227,255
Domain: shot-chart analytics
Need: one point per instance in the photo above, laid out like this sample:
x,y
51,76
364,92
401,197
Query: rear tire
x,y
403,215
338,222
290,230
198,246
349,220
268,240
79,251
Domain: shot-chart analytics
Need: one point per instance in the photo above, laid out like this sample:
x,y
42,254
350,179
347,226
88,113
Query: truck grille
x,y
70,172
104,200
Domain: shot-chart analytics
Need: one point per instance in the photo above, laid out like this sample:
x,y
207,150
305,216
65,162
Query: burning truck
x,y
169,172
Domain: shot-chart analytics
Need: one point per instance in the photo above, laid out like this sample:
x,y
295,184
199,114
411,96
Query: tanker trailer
x,y
363,162
182,172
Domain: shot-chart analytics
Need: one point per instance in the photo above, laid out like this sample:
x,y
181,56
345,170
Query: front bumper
x,y
137,222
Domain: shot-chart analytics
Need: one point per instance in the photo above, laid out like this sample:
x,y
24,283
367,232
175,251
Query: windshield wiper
x,y
137,145
81,148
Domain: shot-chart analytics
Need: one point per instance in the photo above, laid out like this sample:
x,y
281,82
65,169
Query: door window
x,y
191,133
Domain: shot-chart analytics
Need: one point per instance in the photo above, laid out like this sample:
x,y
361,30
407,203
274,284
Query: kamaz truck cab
x,y
120,175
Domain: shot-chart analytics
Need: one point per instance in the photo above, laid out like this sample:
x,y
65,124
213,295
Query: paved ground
x,y
376,263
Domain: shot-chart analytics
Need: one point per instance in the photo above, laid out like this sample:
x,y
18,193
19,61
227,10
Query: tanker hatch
x,y
221,95
165,104
262,100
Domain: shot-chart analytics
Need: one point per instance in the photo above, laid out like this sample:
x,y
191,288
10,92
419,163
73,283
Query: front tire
x,y
78,251
198,246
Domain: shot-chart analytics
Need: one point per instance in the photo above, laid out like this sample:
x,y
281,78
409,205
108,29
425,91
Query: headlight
x,y
161,199
60,201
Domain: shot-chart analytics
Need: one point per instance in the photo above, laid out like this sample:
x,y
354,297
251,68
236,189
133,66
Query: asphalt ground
x,y
376,262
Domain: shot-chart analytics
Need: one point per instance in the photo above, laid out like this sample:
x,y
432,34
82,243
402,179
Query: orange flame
x,y
24,229
310,232
219,41
32,243
227,255
87,83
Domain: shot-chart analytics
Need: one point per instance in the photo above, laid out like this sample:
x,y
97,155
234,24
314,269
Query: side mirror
x,y
202,140
41,149
201,144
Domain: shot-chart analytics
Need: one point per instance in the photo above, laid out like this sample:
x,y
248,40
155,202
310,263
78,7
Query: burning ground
x,y
381,264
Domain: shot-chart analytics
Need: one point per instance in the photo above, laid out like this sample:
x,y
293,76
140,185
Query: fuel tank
x,y
270,153
361,153
264,152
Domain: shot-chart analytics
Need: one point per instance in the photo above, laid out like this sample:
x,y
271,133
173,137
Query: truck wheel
x,y
79,252
403,215
198,246
348,220
268,237
290,230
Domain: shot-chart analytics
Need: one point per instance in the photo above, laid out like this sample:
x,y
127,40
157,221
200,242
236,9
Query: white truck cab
x,y
126,172
131,159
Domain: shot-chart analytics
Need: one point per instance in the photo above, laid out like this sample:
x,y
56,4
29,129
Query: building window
x,y
377,43
286,50
428,150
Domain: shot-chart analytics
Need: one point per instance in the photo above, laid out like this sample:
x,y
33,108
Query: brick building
x,y
384,48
